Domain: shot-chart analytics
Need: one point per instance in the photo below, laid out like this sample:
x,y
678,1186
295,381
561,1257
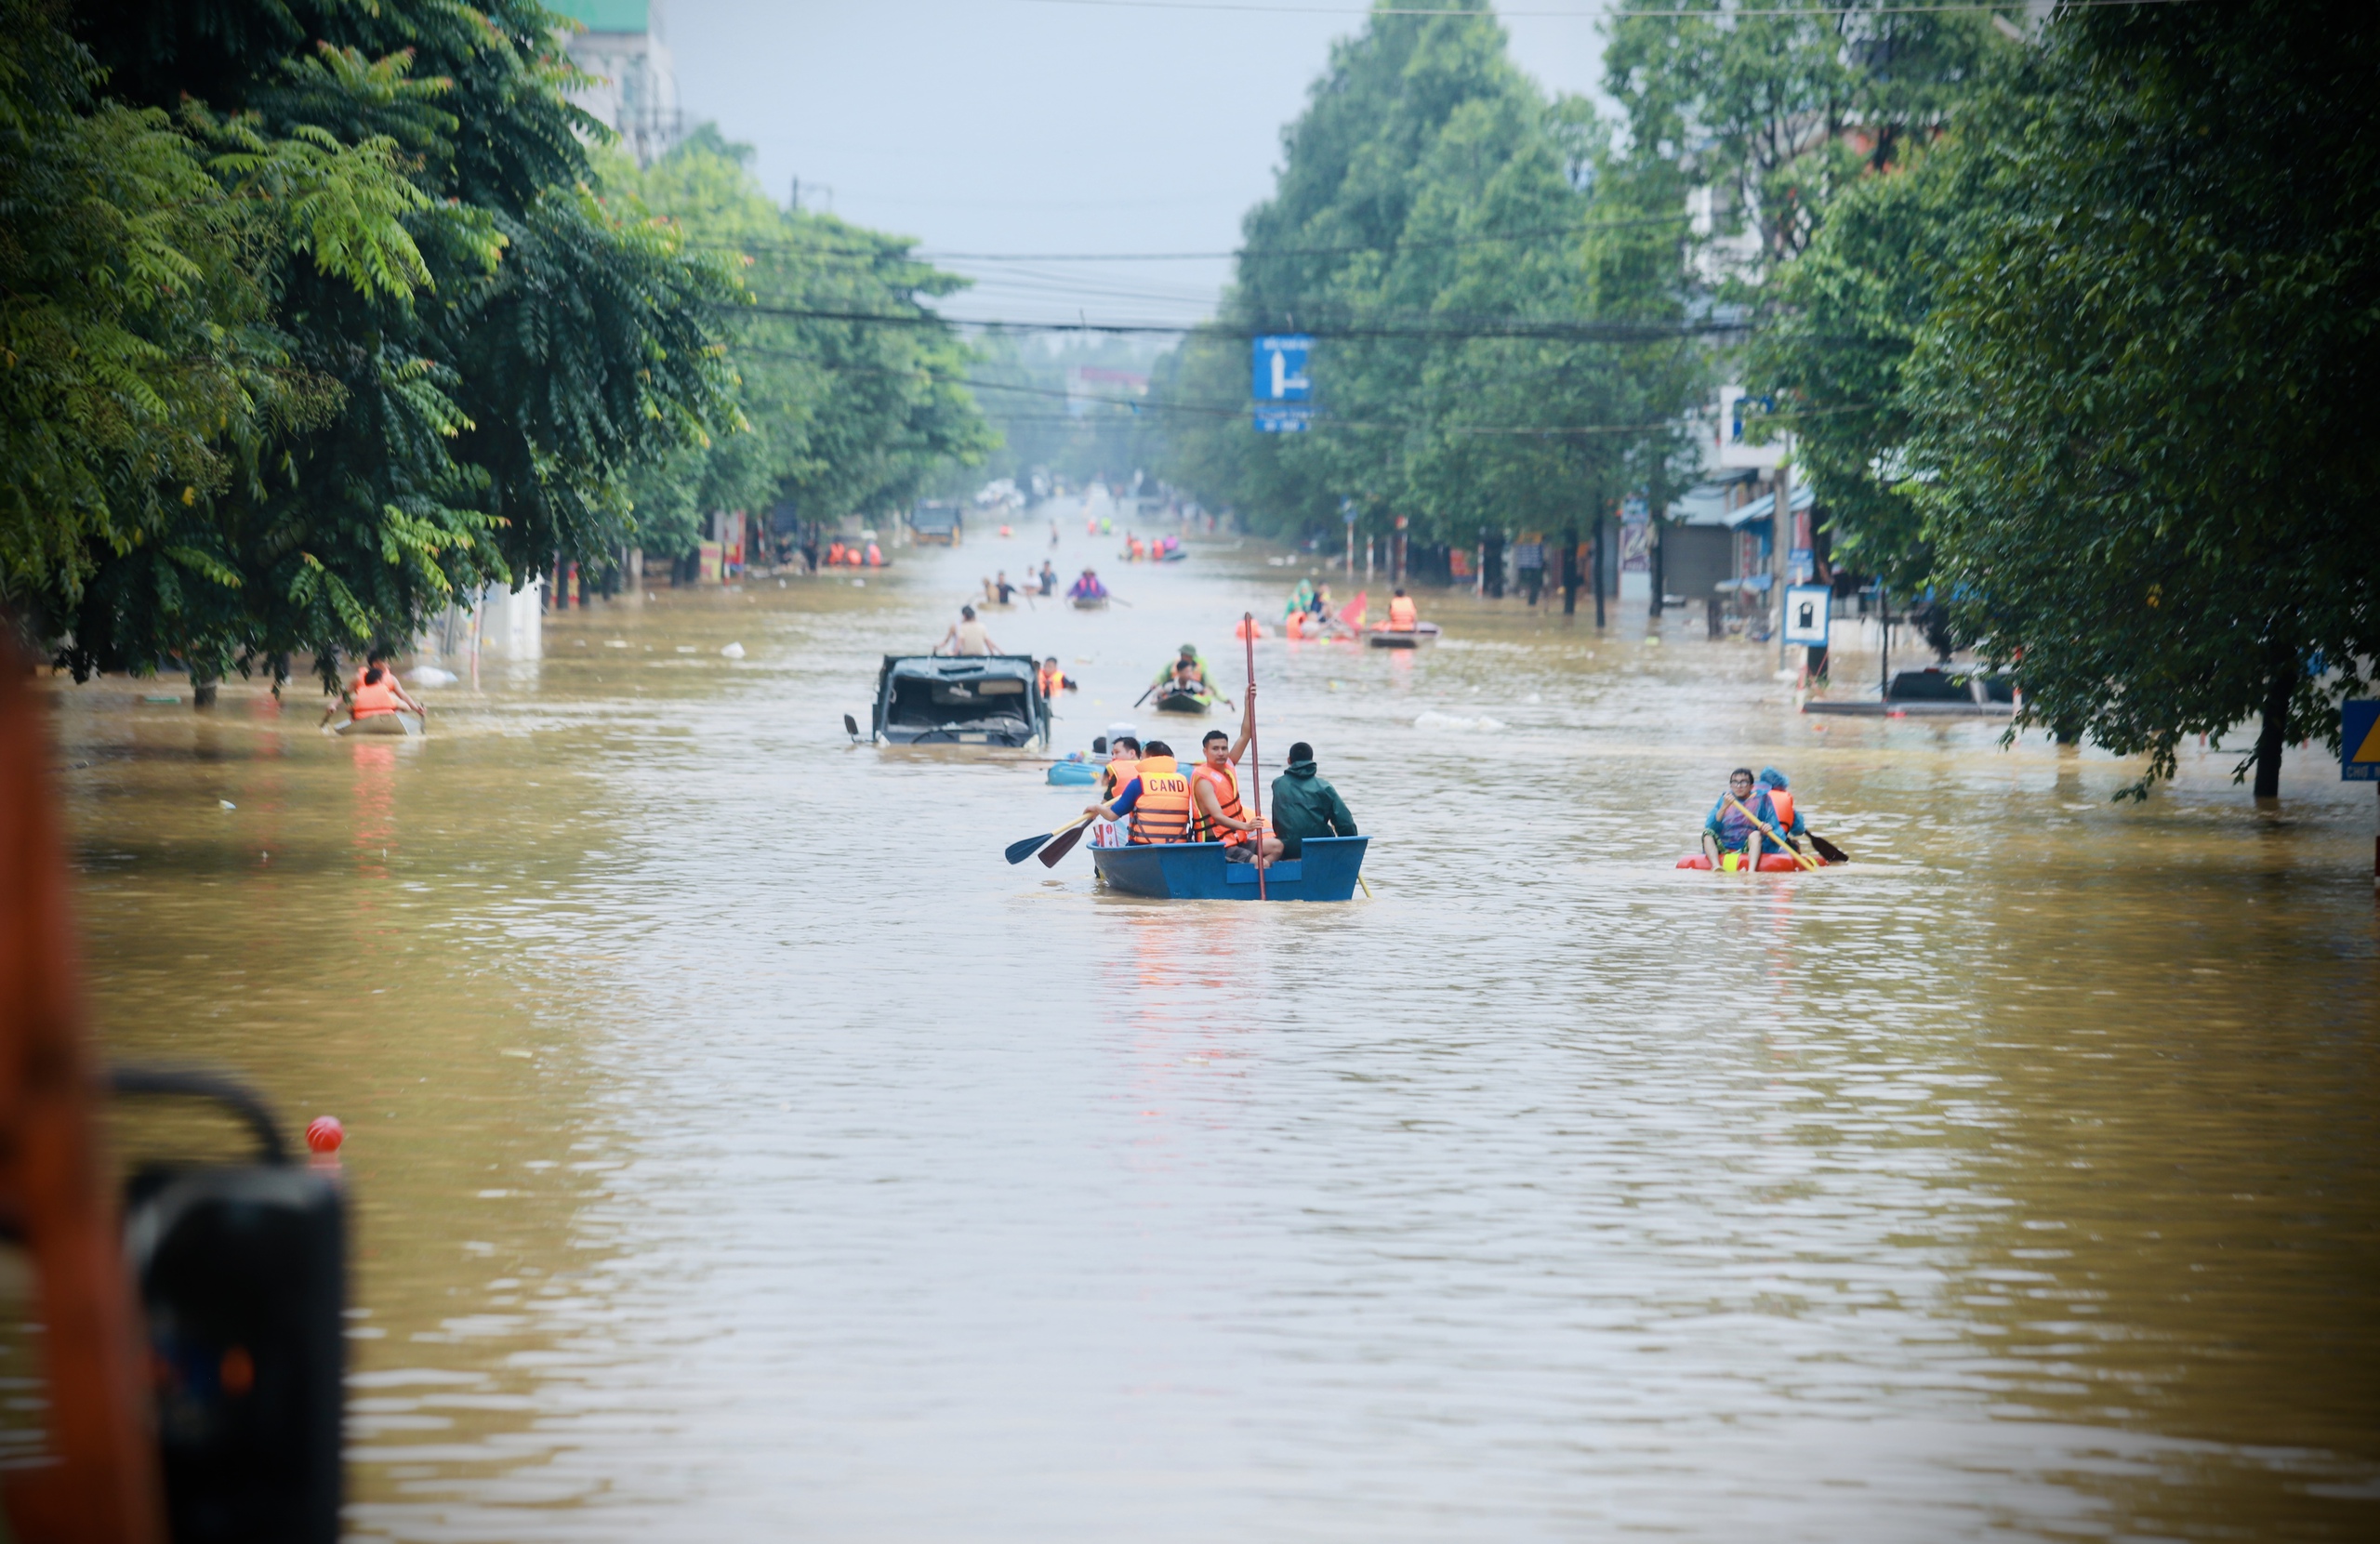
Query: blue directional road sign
x,y
2359,742
1285,418
1279,373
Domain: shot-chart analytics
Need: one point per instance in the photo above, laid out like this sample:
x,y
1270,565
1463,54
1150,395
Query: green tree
x,y
2138,407
475,352
1501,325
1778,106
849,391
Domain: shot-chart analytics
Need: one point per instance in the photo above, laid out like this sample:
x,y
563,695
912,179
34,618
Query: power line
x,y
1710,14
1522,329
927,255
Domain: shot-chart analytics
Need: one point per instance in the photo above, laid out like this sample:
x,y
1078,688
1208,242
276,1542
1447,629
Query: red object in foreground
x,y
324,1133
99,1483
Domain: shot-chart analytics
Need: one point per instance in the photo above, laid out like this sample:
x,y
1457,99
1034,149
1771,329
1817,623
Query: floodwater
x,y
744,1152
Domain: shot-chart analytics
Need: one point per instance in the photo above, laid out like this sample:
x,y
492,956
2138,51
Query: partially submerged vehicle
x,y
1933,693
938,524
959,700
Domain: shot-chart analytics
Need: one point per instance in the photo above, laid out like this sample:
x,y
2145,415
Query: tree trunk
x,y
2274,733
1570,570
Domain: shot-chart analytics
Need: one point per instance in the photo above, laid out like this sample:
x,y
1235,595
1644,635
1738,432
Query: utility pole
x,y
1780,527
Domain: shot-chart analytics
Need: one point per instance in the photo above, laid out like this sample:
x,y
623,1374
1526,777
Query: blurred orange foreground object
x,y
100,1483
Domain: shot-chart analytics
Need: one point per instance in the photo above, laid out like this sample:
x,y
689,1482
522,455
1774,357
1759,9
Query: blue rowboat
x,y
1325,870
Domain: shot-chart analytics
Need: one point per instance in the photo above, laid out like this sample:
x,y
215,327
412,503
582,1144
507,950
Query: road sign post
x,y
1279,382
2359,755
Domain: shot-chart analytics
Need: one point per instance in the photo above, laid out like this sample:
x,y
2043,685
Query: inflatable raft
x,y
1326,869
1770,862
1397,638
1073,775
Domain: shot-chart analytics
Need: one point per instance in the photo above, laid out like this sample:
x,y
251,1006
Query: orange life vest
x,y
1297,624
1121,769
1226,785
1782,802
378,696
1053,682
1403,616
1162,812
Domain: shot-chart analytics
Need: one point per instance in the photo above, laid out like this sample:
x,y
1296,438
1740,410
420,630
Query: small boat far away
x,y
400,722
1392,637
1184,701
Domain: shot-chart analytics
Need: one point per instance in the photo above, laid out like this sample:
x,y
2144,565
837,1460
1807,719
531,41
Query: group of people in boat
x,y
998,591
1186,673
1310,614
844,554
1156,550
1088,587
1146,798
1755,818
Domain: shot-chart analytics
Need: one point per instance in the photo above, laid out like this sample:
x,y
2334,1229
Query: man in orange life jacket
x,y
375,690
1403,616
1215,810
1053,681
1157,798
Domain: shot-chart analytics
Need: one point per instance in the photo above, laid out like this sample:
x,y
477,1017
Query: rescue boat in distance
x,y
1325,869
399,722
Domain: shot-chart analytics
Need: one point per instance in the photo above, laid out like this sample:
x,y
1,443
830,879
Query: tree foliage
x,y
835,417
1497,298
417,354
2136,401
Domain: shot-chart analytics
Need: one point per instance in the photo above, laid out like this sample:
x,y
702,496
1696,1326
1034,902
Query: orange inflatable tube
x,y
1770,862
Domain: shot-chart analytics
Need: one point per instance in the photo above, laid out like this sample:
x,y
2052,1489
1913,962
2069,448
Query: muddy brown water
x,y
742,1151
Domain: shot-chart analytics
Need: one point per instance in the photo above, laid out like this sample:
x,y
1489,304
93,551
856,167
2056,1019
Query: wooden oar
x,y
1065,842
1020,850
1804,859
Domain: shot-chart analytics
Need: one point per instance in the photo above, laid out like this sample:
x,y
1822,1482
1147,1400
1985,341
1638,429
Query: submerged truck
x,y
936,523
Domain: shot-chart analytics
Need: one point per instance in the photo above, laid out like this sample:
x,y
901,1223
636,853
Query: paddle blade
x,y
1062,846
1020,850
851,726
1827,850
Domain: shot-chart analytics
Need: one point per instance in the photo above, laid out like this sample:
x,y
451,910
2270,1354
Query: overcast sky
x,y
1043,125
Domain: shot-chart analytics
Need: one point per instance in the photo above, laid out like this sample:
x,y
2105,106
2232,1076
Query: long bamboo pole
x,y
1255,765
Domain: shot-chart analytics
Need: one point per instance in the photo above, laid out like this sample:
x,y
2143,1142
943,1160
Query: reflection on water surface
x,y
745,1151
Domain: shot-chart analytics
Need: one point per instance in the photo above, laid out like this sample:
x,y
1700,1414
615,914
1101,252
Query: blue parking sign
x,y
2359,742
1278,373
